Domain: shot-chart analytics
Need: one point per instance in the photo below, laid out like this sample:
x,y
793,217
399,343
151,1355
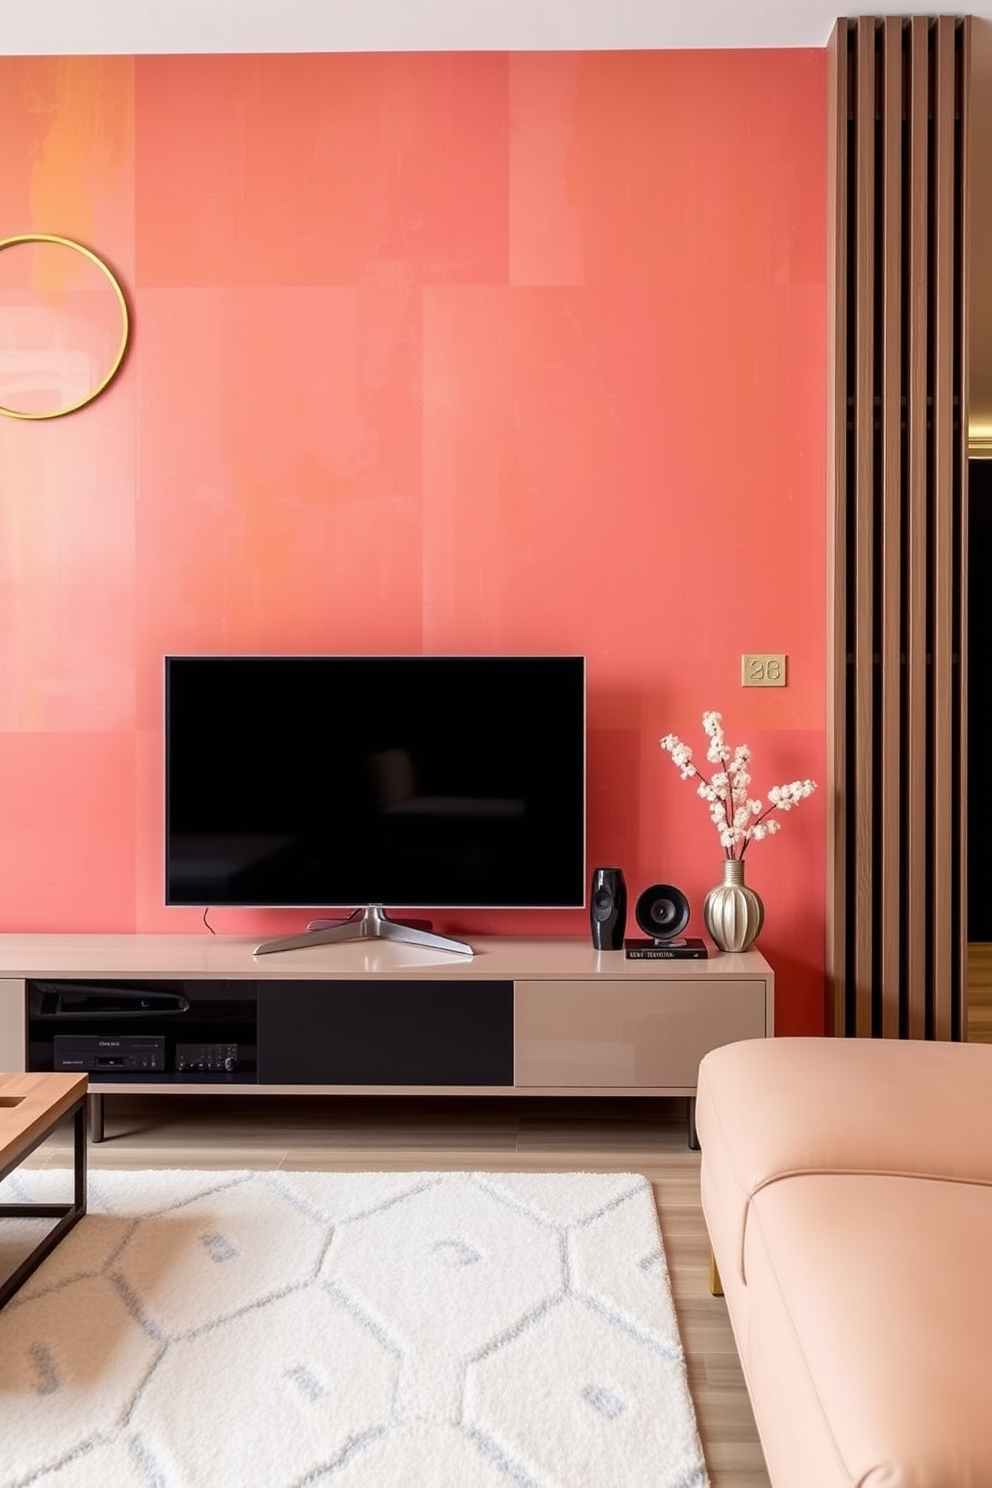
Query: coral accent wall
x,y
431,352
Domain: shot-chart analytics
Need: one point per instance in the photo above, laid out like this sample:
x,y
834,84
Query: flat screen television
x,y
442,782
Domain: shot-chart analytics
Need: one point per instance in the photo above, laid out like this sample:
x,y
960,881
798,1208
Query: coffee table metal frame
x,y
14,1153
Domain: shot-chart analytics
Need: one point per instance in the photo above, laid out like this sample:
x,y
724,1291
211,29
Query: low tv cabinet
x,y
180,1014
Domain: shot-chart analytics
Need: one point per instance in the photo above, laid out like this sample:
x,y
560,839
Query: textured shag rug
x,y
354,1330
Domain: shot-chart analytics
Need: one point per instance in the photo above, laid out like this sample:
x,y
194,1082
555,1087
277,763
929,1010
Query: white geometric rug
x,y
347,1330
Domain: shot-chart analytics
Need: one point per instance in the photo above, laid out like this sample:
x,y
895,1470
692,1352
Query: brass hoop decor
x,y
112,280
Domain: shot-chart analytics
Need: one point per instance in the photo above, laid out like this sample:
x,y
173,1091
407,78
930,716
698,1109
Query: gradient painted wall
x,y
431,352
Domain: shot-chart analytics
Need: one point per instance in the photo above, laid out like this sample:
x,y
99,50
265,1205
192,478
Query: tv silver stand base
x,y
372,923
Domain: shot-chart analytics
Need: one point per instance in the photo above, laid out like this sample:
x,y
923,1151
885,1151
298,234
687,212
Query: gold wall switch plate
x,y
763,669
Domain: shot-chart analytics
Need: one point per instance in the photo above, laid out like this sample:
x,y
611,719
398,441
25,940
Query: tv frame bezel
x,y
452,908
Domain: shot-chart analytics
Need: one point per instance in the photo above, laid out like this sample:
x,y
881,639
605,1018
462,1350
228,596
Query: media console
x,y
183,1014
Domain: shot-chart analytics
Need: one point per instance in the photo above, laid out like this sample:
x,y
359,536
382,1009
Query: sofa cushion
x,y
869,1349
771,1108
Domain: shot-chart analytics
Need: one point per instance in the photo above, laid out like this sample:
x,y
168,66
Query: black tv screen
x,y
339,781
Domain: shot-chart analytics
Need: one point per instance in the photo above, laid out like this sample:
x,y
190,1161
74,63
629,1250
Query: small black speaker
x,y
662,911
608,909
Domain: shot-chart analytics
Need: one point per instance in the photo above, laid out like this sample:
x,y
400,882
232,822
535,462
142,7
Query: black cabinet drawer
x,y
367,1032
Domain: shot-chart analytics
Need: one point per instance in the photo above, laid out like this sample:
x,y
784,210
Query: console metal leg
x,y
691,1123
96,1117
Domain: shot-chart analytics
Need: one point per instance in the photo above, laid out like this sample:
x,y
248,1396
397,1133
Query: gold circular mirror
x,y
63,326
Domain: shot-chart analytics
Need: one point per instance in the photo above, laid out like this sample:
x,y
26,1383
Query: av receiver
x,y
93,1051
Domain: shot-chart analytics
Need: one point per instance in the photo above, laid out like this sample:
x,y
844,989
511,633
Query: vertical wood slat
x,y
945,417
960,918
890,744
917,416
897,536
838,76
863,545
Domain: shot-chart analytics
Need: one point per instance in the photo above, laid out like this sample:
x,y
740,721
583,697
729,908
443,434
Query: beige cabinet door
x,y
629,1035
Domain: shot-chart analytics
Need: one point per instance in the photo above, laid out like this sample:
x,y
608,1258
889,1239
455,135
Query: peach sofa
x,y
847,1190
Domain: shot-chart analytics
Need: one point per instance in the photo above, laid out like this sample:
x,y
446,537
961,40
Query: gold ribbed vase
x,y
732,912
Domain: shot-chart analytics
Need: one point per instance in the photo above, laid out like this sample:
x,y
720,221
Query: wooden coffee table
x,y
31,1107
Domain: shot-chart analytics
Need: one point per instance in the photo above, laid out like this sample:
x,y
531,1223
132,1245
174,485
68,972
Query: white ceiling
x,y
61,27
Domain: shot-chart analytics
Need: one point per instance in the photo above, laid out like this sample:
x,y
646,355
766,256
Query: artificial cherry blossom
x,y
739,818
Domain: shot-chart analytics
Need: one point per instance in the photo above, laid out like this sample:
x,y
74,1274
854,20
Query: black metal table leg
x,y
66,1214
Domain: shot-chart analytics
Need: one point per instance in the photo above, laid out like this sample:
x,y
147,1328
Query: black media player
x,y
93,1051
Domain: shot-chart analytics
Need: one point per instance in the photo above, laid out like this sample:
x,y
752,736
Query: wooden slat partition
x,y
897,536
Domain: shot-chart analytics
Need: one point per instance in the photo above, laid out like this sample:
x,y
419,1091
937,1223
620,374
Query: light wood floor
x,y
640,1136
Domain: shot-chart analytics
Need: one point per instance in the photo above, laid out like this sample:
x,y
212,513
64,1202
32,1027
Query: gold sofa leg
x,y
716,1285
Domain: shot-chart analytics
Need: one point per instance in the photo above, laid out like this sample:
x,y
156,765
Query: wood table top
x,y
31,1105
